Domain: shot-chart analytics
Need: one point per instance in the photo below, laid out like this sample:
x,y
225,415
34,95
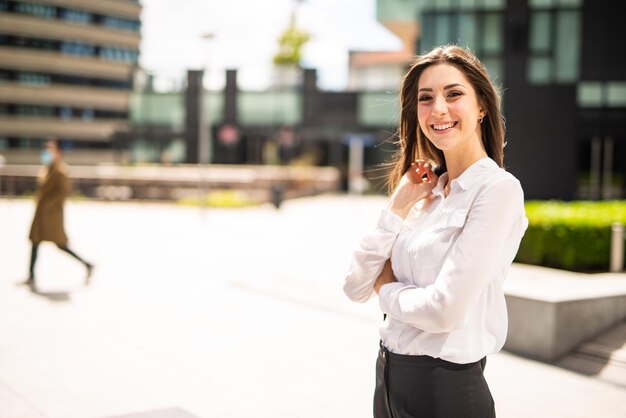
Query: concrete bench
x,y
552,311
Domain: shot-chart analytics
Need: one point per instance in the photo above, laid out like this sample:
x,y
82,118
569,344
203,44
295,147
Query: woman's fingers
x,y
422,171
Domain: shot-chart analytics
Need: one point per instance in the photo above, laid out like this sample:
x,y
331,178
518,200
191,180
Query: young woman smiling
x,y
440,252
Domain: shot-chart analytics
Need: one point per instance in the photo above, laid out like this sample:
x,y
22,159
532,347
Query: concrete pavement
x,y
217,313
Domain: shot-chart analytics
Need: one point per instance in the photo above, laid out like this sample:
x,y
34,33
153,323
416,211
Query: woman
x,y
441,250
48,224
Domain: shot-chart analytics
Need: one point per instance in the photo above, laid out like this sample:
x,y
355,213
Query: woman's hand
x,y
385,276
416,184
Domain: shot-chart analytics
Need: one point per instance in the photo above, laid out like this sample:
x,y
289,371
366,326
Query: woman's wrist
x,y
402,212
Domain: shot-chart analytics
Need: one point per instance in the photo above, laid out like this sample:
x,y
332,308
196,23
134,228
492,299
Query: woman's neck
x,y
457,163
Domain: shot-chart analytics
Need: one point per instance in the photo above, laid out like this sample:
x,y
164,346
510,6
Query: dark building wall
x,y
541,147
603,60
327,109
193,96
230,97
604,34
541,121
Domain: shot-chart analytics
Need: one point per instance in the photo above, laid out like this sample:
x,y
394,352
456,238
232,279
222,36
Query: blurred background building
x,y
66,70
564,87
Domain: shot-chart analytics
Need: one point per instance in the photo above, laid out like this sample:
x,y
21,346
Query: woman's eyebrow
x,y
449,86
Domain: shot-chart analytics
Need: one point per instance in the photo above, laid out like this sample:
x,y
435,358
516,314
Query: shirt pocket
x,y
433,246
454,219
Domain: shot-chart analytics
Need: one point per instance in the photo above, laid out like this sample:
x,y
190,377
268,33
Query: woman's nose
x,y
439,106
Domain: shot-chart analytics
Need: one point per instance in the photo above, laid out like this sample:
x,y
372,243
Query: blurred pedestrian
x,y
53,188
440,252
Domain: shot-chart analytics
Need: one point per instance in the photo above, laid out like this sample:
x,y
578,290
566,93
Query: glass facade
x,y
75,16
554,42
119,23
270,107
73,48
64,112
378,109
33,79
39,10
77,48
119,54
594,94
69,14
474,24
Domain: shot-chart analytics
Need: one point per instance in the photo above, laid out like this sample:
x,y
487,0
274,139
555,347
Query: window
x,y
37,43
592,94
87,114
30,110
39,10
119,23
65,112
118,54
77,48
77,16
475,24
34,79
554,41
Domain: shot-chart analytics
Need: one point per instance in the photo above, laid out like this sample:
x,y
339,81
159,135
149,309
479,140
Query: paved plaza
x,y
217,313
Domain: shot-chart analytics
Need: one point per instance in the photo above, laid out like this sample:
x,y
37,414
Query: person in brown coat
x,y
48,221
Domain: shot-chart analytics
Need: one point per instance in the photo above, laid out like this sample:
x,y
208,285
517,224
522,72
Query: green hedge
x,y
570,235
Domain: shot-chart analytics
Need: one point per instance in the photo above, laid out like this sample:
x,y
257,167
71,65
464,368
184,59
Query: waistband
x,y
424,360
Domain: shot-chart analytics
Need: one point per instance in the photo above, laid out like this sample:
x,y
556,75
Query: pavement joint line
x,y
300,302
22,398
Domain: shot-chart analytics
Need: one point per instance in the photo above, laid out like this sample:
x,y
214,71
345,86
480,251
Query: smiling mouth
x,y
443,126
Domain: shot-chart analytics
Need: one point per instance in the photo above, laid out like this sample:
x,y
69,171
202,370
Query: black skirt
x,y
427,387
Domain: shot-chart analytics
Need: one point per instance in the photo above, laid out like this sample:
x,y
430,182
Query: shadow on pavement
x,y
58,296
53,296
603,357
161,413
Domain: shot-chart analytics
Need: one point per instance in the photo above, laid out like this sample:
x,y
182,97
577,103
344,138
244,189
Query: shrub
x,y
221,199
570,235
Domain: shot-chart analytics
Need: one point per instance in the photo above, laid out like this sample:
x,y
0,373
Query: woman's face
x,y
448,109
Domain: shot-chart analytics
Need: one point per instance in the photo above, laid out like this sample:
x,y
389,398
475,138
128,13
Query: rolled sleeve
x,y
370,256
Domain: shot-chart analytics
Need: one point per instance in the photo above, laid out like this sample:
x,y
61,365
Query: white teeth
x,y
443,126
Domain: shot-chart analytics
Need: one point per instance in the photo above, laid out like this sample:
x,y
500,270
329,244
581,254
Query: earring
x,y
481,119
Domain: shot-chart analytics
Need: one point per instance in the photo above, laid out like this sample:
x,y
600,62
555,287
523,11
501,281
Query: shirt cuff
x,y
387,294
390,222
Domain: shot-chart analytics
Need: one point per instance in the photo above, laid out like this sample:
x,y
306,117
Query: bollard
x,y
277,192
617,247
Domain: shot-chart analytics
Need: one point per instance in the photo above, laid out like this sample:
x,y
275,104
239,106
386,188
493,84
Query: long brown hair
x,y
413,143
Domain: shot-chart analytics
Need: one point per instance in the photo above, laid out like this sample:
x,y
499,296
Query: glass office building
x,y
66,70
563,80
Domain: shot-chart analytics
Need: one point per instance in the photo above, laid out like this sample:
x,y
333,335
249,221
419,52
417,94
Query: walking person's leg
x,y
88,265
33,260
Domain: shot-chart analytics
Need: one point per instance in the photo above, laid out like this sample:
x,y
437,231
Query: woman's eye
x,y
455,94
423,98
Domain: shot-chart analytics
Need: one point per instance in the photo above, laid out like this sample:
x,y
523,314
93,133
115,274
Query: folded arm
x,y
488,242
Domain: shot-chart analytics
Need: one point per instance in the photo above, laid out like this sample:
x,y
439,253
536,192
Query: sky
x,y
244,36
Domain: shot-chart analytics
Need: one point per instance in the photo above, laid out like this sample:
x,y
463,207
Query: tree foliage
x,y
290,44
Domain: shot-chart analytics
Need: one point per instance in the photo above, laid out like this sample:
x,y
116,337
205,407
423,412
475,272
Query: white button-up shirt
x,y
450,259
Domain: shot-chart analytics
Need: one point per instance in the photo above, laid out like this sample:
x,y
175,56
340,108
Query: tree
x,y
290,44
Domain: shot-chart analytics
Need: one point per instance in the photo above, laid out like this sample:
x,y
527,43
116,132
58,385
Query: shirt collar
x,y
441,182
474,172
467,179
